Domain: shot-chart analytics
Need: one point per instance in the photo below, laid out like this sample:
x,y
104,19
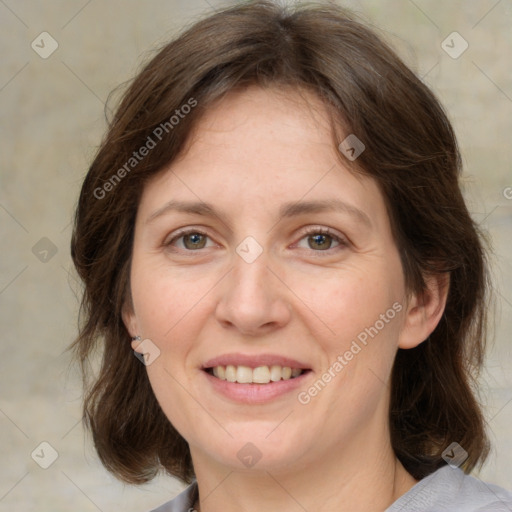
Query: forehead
x,y
262,147
285,117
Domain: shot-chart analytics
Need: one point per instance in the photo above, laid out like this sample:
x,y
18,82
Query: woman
x,y
274,220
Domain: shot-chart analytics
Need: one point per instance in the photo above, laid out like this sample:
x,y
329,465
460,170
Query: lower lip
x,y
255,393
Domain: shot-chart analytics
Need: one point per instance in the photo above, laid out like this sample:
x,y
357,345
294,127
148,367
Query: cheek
x,y
348,301
165,300
360,318
168,307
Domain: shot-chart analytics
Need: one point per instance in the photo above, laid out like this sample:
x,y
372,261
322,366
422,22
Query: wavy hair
x,y
411,153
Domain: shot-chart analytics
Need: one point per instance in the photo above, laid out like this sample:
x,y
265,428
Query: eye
x,y
192,239
321,239
318,239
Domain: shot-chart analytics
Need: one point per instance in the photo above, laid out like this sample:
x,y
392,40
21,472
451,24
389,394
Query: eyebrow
x,y
287,210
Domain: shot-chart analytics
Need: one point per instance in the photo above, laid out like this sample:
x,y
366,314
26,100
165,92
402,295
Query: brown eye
x,y
194,241
322,239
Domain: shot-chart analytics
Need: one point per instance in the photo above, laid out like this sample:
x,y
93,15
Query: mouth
x,y
260,375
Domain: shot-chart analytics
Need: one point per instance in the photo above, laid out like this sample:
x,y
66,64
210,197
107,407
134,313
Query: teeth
x,y
243,374
260,375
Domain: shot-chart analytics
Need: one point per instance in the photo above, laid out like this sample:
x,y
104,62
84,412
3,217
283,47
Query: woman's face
x,y
297,262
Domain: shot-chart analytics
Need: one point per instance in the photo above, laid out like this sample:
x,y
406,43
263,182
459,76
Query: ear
x,y
424,311
130,322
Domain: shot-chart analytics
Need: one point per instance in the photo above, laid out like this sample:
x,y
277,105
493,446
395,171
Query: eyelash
x,y
311,231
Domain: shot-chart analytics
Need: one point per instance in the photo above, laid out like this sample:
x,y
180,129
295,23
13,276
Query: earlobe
x,y
424,311
136,344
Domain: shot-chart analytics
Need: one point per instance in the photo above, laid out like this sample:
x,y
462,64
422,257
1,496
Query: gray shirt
x,y
446,490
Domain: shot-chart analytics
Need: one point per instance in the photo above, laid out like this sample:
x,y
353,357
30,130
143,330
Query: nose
x,y
253,299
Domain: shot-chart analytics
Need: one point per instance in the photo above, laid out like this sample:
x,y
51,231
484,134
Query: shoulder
x,y
450,489
183,502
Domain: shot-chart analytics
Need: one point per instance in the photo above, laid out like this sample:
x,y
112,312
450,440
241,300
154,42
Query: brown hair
x,y
412,154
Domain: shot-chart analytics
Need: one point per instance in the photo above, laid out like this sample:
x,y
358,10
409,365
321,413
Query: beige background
x,y
52,120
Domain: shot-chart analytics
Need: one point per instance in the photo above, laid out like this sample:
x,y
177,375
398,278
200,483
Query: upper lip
x,y
253,361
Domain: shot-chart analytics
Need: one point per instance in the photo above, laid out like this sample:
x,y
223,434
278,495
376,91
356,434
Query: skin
x,y
253,151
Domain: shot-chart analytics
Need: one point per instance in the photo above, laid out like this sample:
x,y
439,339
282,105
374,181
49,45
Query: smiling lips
x,y
257,369
259,375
